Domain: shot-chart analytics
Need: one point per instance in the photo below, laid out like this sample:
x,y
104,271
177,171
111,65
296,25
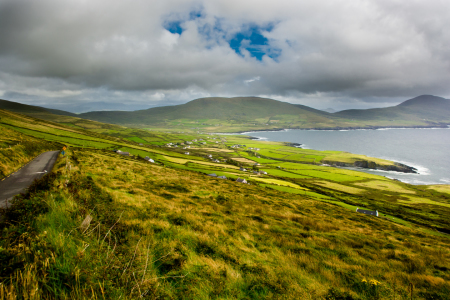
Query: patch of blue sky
x,y
174,25
251,38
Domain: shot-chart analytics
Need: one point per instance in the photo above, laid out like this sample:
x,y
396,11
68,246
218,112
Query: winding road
x,y
19,181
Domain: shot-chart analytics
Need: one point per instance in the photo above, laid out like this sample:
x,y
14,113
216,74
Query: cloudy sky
x,y
85,55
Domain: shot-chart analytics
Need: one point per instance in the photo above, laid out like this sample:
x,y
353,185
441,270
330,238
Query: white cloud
x,y
366,50
253,79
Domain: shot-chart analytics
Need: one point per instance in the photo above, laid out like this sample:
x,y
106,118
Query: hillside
x,y
31,109
231,111
110,226
422,110
251,113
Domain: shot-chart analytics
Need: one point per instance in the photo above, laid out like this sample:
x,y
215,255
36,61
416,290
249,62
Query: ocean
x,y
427,150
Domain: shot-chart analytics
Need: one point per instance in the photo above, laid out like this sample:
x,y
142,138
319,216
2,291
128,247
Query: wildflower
x,y
364,280
374,282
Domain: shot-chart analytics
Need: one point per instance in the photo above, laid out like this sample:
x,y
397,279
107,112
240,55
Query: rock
x,y
398,167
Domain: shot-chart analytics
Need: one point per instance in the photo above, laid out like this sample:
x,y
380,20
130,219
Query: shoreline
x,y
446,126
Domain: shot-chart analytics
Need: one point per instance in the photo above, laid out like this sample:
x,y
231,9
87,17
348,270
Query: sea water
x,y
427,150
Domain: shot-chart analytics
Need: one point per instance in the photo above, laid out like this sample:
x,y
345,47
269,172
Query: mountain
x,y
238,109
218,114
425,109
330,110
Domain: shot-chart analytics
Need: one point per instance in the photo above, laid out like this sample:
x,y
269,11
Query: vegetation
x,y
103,225
17,149
112,227
249,113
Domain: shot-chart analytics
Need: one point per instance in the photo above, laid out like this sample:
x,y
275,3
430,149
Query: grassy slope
x,y
168,233
205,236
221,114
30,109
17,149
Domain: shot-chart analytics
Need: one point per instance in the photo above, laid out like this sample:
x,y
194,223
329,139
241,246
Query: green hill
x,y
220,114
253,113
425,109
233,110
31,109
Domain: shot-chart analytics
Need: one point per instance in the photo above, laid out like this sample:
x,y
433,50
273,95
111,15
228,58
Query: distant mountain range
x,y
254,113
426,108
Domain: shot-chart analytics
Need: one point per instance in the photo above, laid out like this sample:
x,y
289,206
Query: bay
x,y
425,149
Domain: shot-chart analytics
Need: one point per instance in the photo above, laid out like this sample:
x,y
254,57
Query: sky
x,y
85,55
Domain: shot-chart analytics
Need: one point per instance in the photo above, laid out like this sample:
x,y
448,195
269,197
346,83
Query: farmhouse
x,y
242,169
222,177
149,159
367,212
241,180
187,153
213,175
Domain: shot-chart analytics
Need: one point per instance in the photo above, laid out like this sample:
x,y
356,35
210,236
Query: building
x,y
213,175
367,212
241,180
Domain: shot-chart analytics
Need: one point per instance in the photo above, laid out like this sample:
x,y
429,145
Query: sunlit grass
x,y
339,187
385,186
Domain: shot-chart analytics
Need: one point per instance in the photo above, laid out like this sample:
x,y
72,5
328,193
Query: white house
x,y
241,180
367,212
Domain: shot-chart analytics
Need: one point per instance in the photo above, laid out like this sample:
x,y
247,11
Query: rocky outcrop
x,y
398,167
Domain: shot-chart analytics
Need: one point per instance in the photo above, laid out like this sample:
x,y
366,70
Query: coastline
x,y
443,126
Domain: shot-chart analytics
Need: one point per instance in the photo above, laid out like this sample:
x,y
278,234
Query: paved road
x,y
18,182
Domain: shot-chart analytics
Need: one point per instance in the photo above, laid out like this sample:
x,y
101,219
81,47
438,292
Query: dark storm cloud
x,y
100,51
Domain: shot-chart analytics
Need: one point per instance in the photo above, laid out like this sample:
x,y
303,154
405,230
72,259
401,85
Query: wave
x,y
421,170
260,138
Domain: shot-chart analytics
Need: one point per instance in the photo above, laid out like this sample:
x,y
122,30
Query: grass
x,y
440,188
18,149
419,200
339,187
386,186
167,233
167,230
285,174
